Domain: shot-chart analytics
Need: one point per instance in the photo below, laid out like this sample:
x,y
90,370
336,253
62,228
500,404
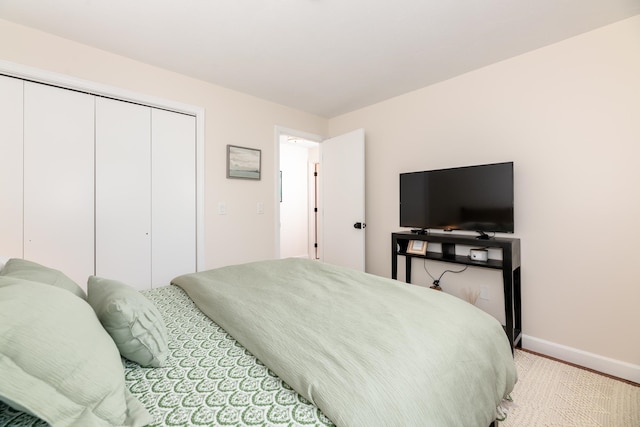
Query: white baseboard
x,y
606,365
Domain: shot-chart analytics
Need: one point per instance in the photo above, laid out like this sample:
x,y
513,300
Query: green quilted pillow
x,y
57,362
134,323
29,270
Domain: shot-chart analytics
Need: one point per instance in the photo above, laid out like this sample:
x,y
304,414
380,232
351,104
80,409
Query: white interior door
x,y
123,192
343,200
173,196
58,179
11,226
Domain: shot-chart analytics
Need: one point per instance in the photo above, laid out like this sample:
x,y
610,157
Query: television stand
x,y
509,265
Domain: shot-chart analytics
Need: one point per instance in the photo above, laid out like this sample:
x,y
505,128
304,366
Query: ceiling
x,y
325,57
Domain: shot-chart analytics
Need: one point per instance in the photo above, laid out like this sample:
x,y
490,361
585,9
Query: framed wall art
x,y
243,162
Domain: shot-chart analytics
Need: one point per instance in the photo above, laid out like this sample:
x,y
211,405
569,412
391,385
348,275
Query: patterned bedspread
x,y
209,379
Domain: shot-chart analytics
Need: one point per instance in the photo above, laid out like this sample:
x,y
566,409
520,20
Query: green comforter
x,y
368,351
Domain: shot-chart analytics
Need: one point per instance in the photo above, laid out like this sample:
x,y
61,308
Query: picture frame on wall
x,y
417,247
243,162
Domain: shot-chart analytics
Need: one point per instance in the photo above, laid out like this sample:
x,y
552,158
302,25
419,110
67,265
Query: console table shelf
x,y
510,266
457,259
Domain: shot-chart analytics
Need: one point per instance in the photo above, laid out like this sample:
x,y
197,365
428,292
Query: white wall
x,y
231,118
568,115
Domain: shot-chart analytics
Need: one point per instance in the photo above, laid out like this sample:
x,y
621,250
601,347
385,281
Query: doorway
x,y
332,226
298,195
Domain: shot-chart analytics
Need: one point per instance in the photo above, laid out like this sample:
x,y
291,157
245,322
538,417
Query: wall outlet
x,y
484,292
260,208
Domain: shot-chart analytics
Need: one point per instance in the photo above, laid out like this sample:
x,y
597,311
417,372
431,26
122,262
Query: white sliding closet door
x,y
173,195
11,242
123,192
58,179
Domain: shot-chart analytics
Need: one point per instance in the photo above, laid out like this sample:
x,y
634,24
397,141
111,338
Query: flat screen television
x,y
475,198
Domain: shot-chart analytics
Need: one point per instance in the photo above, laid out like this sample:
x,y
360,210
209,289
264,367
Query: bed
x,y
288,343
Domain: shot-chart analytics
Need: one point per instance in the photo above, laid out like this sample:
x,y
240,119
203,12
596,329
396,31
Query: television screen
x,y
475,198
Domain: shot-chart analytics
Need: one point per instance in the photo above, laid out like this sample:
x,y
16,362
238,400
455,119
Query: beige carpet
x,y
554,394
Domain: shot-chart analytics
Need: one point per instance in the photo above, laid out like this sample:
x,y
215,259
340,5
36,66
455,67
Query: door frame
x,y
279,131
68,82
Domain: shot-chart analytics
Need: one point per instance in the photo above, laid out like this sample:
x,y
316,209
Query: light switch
x,y
222,208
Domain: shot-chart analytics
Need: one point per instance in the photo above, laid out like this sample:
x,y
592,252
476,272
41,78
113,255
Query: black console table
x,y
510,266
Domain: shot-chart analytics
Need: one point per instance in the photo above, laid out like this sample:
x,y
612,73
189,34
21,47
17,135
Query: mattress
x,y
209,378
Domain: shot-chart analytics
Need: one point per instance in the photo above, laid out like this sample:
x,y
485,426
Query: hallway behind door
x,y
299,226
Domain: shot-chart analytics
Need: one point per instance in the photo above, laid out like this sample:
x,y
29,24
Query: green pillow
x,y
57,362
29,270
134,323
